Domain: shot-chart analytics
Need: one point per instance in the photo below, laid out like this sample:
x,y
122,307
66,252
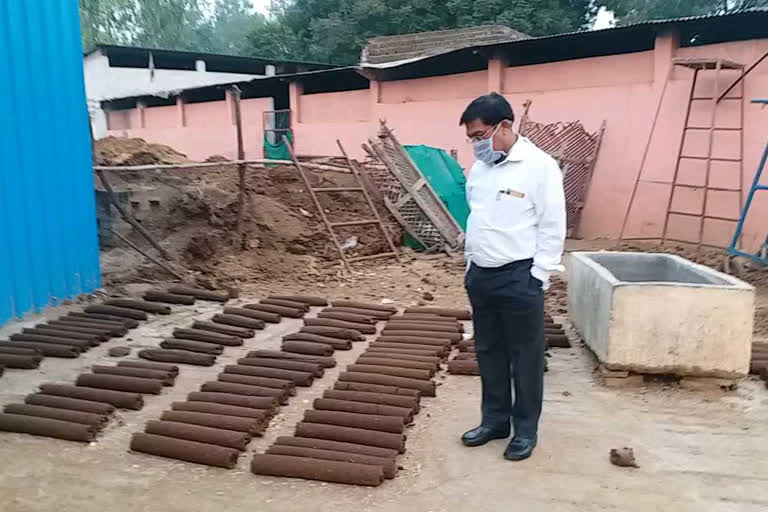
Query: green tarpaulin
x,y
277,151
446,177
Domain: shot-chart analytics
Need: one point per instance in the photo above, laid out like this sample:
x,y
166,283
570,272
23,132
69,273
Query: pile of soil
x,y
198,223
121,151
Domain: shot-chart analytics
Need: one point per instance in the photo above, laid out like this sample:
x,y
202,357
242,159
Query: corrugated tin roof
x,y
611,31
383,49
140,51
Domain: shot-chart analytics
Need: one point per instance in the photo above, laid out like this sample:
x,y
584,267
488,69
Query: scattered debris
x,y
623,457
349,243
119,351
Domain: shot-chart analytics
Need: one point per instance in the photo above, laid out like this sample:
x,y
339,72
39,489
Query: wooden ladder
x,y
331,226
705,187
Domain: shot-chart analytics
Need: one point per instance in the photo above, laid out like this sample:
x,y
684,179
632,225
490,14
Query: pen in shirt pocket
x,y
509,192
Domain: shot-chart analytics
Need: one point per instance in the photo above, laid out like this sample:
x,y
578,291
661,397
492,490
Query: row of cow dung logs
x,y
200,343
79,412
355,431
465,362
215,424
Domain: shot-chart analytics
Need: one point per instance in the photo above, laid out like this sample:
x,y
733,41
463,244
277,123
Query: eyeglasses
x,y
487,135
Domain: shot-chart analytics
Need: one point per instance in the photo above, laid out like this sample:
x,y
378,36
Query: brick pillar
x,y
375,98
664,50
230,104
140,107
180,111
295,91
496,67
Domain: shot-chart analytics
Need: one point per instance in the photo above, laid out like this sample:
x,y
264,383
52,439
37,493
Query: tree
x,y
632,11
336,30
269,38
228,28
169,24
106,22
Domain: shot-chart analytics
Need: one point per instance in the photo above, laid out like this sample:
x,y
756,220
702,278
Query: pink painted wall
x,y
623,90
613,70
208,130
335,107
161,118
436,88
655,191
118,120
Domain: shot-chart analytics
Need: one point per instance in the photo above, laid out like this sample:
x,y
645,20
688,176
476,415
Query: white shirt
x,y
517,211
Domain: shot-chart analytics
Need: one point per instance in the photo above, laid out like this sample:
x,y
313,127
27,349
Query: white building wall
x,y
103,83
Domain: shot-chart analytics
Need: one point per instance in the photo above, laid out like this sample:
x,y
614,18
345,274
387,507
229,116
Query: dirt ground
x,y
696,450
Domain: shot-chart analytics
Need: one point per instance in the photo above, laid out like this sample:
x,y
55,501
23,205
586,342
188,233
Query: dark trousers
x,y
508,312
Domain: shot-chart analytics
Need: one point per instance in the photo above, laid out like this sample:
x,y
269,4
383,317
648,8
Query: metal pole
x,y
645,154
742,77
755,186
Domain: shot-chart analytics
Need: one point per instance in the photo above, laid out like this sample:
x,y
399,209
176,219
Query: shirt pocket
x,y
511,208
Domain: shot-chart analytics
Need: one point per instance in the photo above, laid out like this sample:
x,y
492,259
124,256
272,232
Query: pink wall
x,y
334,107
607,71
209,127
655,191
402,104
436,88
118,120
161,118
623,90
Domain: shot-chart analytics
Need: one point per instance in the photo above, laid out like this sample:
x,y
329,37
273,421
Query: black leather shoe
x,y
519,448
481,435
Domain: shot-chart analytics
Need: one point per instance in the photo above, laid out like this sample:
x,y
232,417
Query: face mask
x,y
484,149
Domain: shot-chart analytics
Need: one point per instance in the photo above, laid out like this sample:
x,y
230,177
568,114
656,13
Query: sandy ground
x,y
697,451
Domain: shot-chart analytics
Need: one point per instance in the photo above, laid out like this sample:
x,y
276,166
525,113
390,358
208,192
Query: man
x,y
515,236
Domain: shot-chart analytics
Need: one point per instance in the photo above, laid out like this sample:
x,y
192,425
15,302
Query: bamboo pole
x,y
259,163
150,258
192,165
129,218
242,192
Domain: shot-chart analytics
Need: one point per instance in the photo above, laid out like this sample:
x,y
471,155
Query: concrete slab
x,y
661,314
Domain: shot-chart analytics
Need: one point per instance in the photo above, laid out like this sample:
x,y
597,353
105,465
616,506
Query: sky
x,y
605,19
261,5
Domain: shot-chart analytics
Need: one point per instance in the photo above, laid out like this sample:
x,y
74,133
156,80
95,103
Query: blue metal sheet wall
x,y
48,242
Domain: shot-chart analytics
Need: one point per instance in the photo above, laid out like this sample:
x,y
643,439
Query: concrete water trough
x,y
661,314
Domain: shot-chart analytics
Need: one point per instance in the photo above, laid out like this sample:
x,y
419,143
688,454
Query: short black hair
x,y
491,109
